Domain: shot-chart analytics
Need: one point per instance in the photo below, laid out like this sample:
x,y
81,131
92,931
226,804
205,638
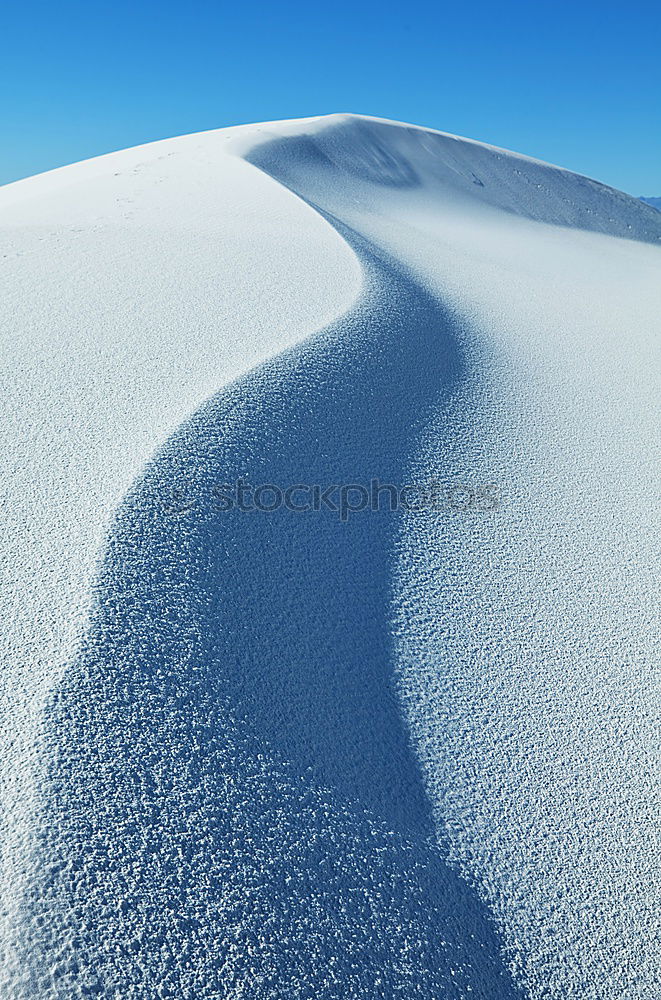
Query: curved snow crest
x,y
238,806
234,711
356,154
391,153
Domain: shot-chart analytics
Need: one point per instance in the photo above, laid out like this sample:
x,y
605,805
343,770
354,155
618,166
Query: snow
x,y
249,754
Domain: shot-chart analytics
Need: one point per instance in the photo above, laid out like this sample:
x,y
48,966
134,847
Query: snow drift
x,y
413,753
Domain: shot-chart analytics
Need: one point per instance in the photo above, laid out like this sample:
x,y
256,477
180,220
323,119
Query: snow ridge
x,y
279,754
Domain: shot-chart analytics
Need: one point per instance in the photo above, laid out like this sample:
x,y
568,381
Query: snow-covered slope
x,y
413,753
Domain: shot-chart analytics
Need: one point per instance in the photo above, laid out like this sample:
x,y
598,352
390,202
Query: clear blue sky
x,y
577,84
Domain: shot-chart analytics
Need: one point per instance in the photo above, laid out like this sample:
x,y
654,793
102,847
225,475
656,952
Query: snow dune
x,y
278,754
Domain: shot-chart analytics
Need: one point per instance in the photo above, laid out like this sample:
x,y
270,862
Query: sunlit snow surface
x,y
277,755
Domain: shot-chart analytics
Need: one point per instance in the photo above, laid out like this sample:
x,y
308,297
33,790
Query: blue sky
x,y
576,84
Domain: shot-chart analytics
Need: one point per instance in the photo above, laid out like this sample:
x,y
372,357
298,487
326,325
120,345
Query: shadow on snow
x,y
242,808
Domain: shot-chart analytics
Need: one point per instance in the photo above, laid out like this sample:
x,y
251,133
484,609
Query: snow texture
x,y
413,754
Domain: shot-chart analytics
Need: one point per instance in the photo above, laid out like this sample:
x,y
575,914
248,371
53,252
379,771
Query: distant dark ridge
x,y
654,202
